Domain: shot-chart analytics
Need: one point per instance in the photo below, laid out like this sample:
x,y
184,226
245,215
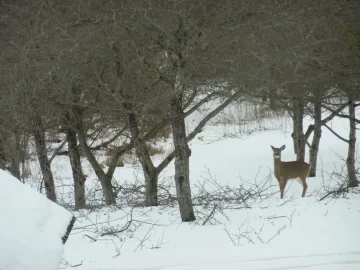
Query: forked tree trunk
x,y
105,179
314,149
75,161
298,134
350,161
150,172
151,175
39,136
182,154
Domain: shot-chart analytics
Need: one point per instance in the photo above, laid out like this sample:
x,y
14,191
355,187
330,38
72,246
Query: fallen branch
x,y
210,215
92,238
336,192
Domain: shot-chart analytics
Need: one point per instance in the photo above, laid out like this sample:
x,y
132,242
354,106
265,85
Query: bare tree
x,y
181,34
350,161
75,161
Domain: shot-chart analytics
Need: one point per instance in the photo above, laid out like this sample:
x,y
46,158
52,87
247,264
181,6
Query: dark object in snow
x,y
68,230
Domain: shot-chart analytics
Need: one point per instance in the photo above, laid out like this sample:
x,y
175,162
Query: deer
x,y
285,170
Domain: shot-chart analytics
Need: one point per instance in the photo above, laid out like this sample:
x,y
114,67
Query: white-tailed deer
x,y
284,171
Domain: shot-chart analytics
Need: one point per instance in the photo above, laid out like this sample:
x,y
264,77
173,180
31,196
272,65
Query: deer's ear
x,y
282,147
272,147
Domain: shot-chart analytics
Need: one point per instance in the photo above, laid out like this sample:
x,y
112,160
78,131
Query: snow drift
x,y
32,228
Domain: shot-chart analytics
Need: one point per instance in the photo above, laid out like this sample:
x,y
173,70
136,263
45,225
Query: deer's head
x,y
277,151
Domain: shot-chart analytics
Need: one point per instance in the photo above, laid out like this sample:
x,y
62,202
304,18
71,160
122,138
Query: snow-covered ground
x,y
266,233
31,227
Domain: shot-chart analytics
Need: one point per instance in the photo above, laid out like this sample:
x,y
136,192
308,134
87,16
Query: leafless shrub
x,y
250,117
213,197
210,198
129,158
149,122
210,190
118,229
94,196
119,162
154,149
133,193
25,170
335,183
111,151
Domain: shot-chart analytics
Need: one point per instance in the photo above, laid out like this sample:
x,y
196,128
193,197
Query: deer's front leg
x,y
282,184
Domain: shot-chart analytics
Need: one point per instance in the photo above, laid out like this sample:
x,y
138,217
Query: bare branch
x,y
198,128
106,143
57,151
327,119
337,135
342,115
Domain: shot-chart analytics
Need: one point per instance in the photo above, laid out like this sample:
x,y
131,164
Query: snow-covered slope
x,y
31,227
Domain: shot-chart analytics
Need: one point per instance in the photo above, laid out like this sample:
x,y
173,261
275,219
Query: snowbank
x,y
31,227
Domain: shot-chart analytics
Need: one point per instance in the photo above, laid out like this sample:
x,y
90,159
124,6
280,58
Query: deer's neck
x,y
277,167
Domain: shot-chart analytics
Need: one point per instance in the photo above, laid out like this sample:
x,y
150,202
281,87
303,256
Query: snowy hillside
x,y
268,233
31,228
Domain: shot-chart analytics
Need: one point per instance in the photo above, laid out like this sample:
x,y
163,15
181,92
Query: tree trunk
x,y
24,155
152,189
314,149
39,136
105,179
298,134
2,155
75,161
150,172
273,105
293,137
350,161
182,154
15,156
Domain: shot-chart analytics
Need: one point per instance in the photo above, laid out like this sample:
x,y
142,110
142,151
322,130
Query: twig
x,y
124,228
278,233
92,239
228,234
273,217
210,215
146,237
